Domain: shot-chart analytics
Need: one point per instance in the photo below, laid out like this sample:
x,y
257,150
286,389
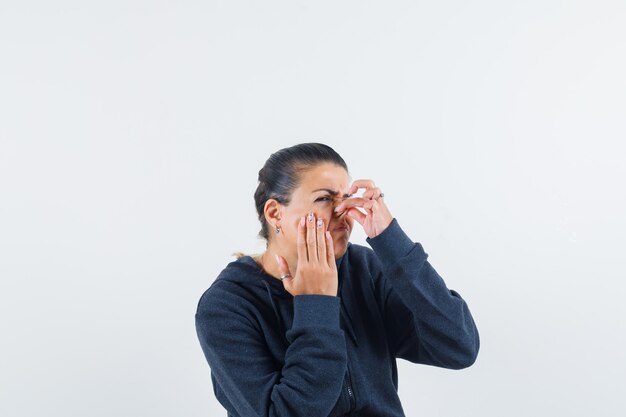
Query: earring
x,y
277,228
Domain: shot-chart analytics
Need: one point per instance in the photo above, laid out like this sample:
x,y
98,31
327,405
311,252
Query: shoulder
x,y
221,312
233,292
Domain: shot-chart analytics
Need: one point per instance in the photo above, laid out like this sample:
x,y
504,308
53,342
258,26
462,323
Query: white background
x,y
131,138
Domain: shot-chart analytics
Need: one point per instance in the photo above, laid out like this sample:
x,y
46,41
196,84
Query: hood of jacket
x,y
255,279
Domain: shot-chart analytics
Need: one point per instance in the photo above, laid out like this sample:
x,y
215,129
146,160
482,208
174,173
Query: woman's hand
x,y
316,271
376,217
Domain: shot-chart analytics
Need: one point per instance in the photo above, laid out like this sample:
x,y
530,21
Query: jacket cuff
x,y
392,244
316,310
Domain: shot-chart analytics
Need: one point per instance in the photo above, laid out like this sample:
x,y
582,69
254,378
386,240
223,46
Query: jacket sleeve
x,y
253,382
425,321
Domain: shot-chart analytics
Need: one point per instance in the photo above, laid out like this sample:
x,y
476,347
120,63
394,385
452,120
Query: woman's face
x,y
321,190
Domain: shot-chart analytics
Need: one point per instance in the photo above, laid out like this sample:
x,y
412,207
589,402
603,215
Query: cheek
x,y
295,222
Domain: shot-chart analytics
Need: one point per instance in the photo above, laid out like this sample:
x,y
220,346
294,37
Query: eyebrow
x,y
329,191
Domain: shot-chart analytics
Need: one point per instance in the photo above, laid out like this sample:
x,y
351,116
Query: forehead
x,y
325,176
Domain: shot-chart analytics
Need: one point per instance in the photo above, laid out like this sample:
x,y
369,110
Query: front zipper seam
x,y
350,392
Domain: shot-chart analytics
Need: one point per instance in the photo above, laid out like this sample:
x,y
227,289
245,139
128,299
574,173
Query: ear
x,y
273,212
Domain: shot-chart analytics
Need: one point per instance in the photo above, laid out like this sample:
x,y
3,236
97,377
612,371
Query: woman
x,y
313,325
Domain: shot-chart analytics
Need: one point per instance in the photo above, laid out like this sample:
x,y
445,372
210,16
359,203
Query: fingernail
x,y
277,260
302,221
310,216
320,222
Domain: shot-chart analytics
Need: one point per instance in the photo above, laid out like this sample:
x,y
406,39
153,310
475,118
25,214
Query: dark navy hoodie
x,y
273,354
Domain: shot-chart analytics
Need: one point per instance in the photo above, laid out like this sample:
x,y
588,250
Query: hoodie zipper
x,y
350,392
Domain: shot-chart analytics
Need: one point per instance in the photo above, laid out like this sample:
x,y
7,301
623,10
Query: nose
x,y
338,213
337,200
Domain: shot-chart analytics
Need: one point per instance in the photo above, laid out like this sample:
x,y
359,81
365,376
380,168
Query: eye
x,y
323,199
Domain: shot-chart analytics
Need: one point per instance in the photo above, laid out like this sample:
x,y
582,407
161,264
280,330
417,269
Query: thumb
x,y
283,268
357,215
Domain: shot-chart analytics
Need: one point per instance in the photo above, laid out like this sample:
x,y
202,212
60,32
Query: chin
x,y
340,245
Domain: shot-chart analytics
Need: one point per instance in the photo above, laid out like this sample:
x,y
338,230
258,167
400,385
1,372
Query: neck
x,y
266,265
267,262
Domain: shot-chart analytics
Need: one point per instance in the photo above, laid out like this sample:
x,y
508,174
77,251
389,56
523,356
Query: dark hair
x,y
282,174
